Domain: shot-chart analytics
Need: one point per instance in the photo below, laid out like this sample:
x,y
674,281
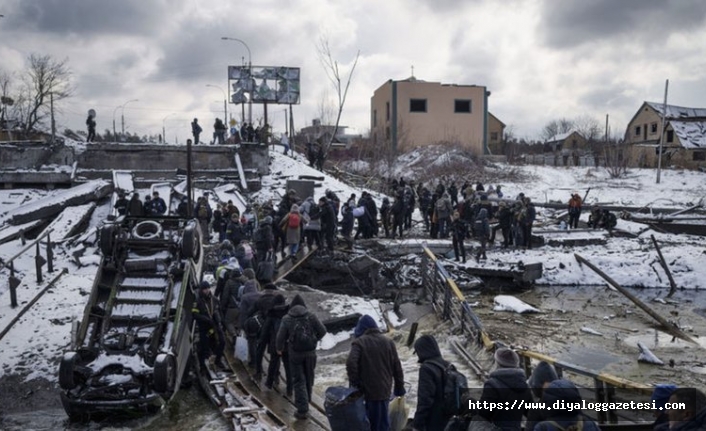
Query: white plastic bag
x,y
241,348
398,414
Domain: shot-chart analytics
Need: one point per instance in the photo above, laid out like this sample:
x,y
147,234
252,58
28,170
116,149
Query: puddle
x,y
588,358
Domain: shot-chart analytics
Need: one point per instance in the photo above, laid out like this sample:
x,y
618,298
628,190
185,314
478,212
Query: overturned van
x,y
132,347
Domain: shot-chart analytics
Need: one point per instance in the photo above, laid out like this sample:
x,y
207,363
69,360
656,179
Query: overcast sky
x,y
541,59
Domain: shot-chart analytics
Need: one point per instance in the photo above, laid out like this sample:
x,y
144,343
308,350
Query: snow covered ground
x,y
35,343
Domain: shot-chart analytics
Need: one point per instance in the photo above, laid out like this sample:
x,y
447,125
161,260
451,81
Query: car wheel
x,y
66,370
191,242
164,373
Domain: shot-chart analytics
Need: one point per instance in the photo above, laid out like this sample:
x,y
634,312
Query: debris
x,y
591,331
510,303
646,356
672,283
660,300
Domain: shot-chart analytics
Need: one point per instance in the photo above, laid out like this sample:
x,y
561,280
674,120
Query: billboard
x,y
260,84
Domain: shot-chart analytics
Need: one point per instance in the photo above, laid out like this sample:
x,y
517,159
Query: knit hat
x,y
364,323
249,273
506,358
661,394
543,373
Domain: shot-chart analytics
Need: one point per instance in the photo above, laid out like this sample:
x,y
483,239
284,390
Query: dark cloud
x,y
566,24
87,17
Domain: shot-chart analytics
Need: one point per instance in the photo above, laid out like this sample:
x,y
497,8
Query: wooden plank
x,y
672,284
281,274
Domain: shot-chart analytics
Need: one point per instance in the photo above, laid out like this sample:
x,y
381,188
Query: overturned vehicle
x,y
132,347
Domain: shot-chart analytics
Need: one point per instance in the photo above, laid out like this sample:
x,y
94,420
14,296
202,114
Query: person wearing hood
x,y
207,314
312,230
292,224
301,331
562,419
443,215
135,207
458,233
373,366
264,239
385,216
542,375
481,229
263,305
347,223
230,295
430,414
328,222
268,339
507,384
248,300
693,417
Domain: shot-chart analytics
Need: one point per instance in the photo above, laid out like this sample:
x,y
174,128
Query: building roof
x,y
678,111
691,134
561,136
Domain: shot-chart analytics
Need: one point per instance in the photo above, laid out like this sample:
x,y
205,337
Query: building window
x,y
462,106
493,136
670,135
417,105
638,130
375,117
653,128
699,156
387,111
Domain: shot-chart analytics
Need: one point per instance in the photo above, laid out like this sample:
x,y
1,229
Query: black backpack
x,y
302,337
455,386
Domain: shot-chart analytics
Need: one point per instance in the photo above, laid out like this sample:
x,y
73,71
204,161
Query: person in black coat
x,y
398,212
211,337
121,204
268,339
507,384
458,234
347,224
542,375
563,419
430,414
374,367
385,216
302,359
135,207
328,222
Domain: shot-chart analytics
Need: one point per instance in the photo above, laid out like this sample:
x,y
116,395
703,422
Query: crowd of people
x,y
245,133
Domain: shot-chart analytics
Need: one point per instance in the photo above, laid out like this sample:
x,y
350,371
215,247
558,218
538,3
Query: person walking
x,y
481,229
268,339
219,132
458,234
373,367
195,131
430,414
206,312
507,384
574,210
293,222
91,124
301,331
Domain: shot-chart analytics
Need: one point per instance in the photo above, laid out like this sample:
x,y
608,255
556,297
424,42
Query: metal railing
x,y
39,261
450,304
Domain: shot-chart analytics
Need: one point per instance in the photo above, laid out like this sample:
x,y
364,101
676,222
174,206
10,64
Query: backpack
x,y
294,220
253,325
203,212
478,228
302,337
258,237
454,385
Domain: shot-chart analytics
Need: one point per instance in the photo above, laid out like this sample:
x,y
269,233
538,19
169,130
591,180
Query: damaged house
x,y
684,139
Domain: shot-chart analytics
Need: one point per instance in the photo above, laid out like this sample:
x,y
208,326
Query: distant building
x,y
411,113
684,139
566,142
496,130
321,133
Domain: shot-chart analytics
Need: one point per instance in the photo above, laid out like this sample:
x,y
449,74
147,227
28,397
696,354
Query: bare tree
x,y
556,127
45,79
334,75
588,127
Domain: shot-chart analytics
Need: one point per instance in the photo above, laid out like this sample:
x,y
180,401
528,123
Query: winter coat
x,y
504,217
542,373
443,207
264,239
229,297
481,227
121,206
566,391
459,229
328,218
373,366
203,211
297,311
158,207
575,204
234,232
247,302
398,210
531,214
347,221
429,415
385,212
207,312
293,233
506,385
135,208
268,335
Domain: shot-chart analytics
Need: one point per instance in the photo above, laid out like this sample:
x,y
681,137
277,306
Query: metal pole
x,y
53,123
190,206
50,255
286,128
661,135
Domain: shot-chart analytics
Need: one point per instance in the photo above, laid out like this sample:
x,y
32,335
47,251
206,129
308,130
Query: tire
x,y
148,229
164,373
66,370
107,239
191,242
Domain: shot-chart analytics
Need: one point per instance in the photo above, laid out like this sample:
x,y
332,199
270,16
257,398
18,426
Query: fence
x,y
39,261
450,304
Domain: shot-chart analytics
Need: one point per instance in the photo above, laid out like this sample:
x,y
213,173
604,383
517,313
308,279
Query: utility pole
x,y
661,135
53,123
